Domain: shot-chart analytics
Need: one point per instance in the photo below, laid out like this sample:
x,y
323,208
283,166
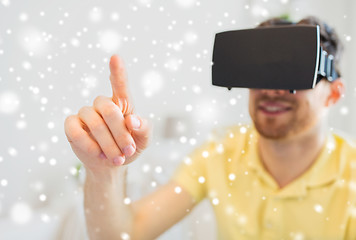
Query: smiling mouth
x,y
273,109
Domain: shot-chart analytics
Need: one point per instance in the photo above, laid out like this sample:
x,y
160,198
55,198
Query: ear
x,y
337,89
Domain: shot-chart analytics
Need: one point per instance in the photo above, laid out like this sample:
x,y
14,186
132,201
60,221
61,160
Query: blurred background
x,y
54,60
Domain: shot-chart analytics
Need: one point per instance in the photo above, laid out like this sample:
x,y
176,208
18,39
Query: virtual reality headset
x,y
278,57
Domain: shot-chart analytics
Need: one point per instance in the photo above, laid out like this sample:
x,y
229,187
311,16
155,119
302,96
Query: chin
x,y
274,135
274,131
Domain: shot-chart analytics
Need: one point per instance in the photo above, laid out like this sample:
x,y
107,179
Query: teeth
x,y
273,108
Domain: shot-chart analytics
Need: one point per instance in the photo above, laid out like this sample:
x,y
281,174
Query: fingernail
x,y
119,160
135,122
128,150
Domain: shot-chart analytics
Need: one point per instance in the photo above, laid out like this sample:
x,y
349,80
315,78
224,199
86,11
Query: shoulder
x,y
345,145
344,142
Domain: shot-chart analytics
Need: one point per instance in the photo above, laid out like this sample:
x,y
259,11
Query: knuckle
x,y
97,126
75,136
99,99
82,111
109,111
70,130
68,122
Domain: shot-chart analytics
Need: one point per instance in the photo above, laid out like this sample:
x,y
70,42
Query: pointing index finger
x,y
118,78
119,85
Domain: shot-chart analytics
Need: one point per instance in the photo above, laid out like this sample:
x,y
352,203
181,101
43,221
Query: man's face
x,y
278,114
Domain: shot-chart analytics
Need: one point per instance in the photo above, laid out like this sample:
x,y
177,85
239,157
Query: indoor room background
x,y
54,60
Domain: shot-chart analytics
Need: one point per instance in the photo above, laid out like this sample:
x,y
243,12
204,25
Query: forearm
x,y
107,216
98,134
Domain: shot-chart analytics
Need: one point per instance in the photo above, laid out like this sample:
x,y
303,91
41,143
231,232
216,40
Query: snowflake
x,y
9,102
21,213
3,182
125,236
152,83
185,3
188,108
127,201
190,38
95,14
21,124
215,201
173,64
201,179
114,16
183,139
243,130
42,197
12,151
6,3
75,42
205,154
45,218
110,40
318,208
177,190
232,176
158,169
23,17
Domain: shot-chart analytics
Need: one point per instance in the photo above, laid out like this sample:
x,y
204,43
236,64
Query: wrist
x,y
106,175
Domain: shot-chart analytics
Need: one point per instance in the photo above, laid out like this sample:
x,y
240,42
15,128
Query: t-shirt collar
x,y
323,171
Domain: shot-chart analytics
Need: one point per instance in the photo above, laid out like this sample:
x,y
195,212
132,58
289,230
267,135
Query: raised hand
x,y
108,133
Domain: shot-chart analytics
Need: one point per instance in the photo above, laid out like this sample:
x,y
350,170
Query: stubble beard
x,y
274,128
271,129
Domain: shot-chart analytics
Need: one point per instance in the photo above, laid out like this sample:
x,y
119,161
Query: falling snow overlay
x,y
54,58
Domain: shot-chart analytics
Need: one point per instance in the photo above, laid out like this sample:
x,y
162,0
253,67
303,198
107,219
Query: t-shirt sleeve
x,y
191,173
351,225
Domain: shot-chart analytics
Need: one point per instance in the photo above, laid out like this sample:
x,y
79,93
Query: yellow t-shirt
x,y
248,204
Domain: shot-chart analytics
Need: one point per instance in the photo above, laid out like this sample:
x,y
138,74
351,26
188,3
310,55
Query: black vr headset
x,y
278,57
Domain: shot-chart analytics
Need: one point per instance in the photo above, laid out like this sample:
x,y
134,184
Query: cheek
x,y
250,100
252,103
309,108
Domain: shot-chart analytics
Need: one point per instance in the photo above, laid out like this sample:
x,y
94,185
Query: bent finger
x,y
102,134
79,138
115,121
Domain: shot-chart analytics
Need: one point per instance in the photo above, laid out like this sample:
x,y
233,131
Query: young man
x,y
285,177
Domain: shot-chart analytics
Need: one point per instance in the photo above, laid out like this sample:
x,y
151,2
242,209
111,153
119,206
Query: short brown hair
x,y
329,39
